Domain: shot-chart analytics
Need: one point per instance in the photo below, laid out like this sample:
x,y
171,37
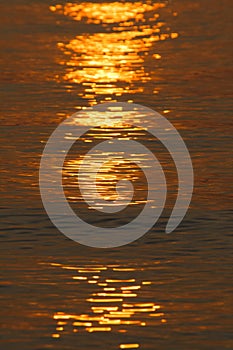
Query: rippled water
x,y
164,291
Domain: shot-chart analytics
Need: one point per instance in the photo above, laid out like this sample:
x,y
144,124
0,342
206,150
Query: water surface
x,y
161,292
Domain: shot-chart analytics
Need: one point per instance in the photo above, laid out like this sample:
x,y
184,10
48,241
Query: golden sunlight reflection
x,y
111,61
106,180
105,173
114,12
110,305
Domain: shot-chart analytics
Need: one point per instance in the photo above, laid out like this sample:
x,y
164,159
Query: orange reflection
x,y
109,64
108,312
110,172
109,13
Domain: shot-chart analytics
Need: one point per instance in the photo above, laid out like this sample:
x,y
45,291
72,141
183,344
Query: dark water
x,y
162,292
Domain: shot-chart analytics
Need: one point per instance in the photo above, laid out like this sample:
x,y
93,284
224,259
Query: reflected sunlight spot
x,y
109,13
109,312
129,346
113,62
